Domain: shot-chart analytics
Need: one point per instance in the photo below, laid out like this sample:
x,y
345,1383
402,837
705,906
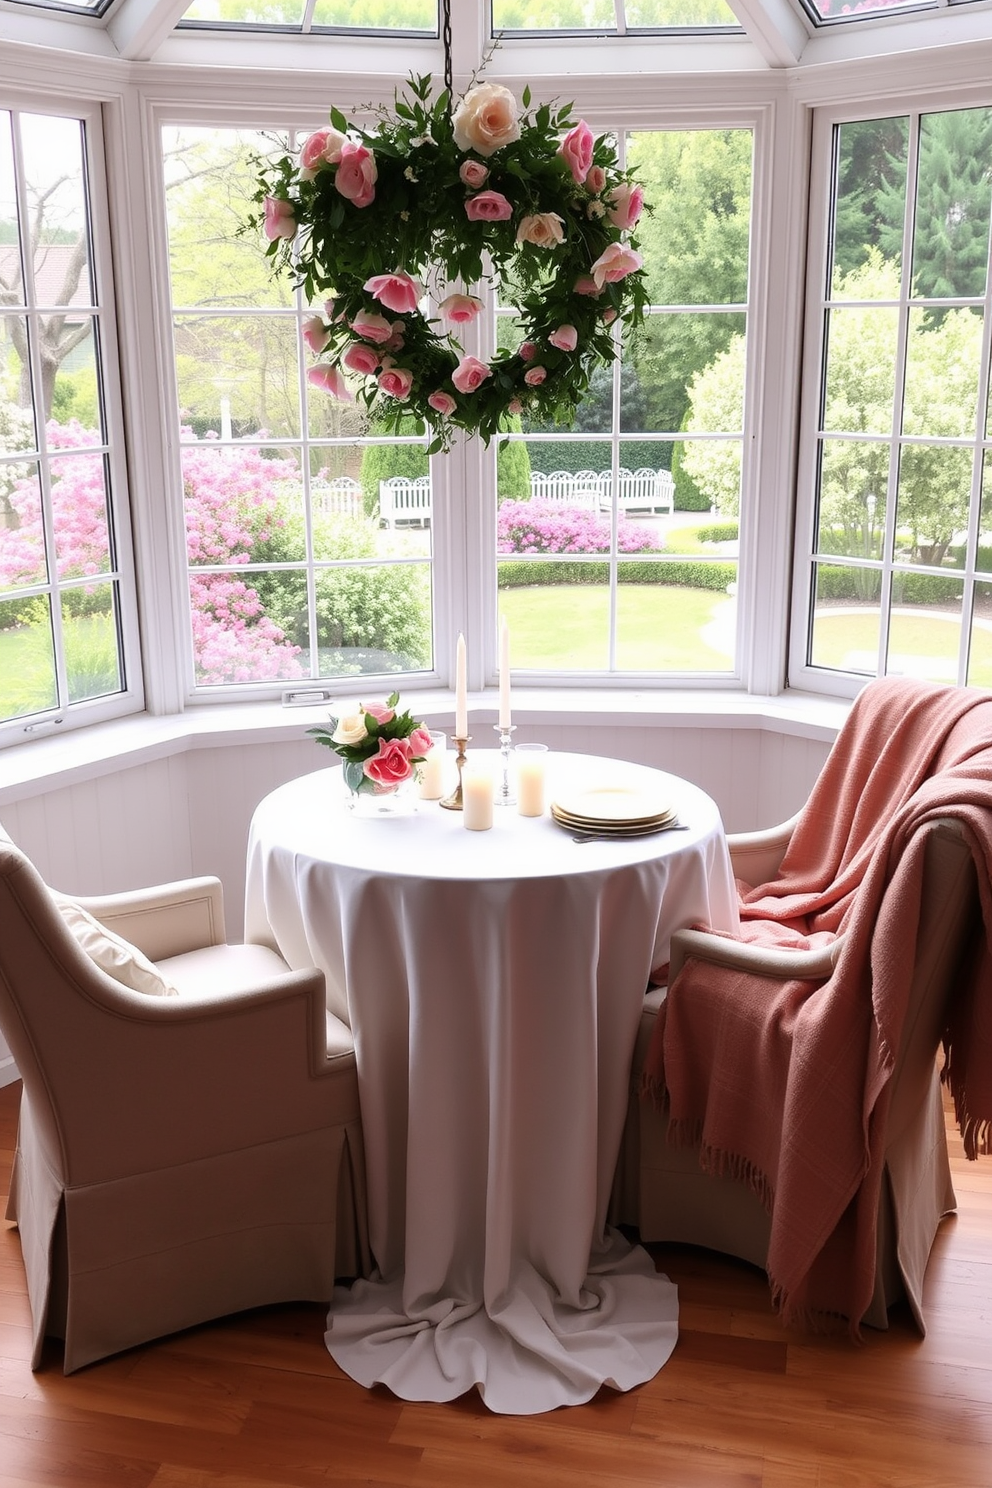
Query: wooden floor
x,y
256,1400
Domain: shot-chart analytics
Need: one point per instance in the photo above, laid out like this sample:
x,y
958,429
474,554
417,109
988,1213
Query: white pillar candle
x,y
504,674
477,798
461,695
430,775
530,760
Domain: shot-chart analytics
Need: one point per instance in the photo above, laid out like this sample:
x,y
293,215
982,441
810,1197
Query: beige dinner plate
x,y
612,829
613,805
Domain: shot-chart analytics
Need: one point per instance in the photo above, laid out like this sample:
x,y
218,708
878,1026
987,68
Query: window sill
x,y
86,754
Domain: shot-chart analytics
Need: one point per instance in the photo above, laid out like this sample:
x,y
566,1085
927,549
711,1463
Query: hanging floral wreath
x,y
376,220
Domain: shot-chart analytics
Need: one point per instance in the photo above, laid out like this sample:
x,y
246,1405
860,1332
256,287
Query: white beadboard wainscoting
x,y
145,800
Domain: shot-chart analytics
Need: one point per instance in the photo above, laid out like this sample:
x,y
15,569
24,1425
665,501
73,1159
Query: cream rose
x,y
350,729
543,229
486,119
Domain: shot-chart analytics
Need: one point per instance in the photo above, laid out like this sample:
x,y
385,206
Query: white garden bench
x,y
563,488
407,499
340,497
639,490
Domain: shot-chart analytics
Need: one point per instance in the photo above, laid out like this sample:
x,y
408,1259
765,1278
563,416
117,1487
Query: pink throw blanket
x,y
786,1085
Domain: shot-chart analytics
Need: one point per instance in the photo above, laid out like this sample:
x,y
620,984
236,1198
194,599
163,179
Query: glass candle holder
x,y
531,762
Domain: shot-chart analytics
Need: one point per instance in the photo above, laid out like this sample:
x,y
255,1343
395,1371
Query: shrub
x,y
546,527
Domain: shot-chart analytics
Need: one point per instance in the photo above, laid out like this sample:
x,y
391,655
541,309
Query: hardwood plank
x,y
255,1401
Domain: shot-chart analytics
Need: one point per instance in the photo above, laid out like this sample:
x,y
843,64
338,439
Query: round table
x,y
493,982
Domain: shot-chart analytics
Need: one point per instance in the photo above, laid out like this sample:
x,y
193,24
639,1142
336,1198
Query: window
x,y
896,542
397,16
67,625
623,556
607,17
308,537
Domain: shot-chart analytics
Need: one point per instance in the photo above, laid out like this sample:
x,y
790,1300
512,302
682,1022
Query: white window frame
x,y
130,698
866,105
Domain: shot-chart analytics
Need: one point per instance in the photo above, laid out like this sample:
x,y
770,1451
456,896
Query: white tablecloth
x,y
493,981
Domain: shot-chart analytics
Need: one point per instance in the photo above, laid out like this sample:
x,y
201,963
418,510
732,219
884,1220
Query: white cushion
x,y
117,957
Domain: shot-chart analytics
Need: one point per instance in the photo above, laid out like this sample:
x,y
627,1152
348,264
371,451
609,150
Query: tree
x,y
694,238
940,401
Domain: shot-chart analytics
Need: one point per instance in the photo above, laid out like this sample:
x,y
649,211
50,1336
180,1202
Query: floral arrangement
x,y
378,746
375,220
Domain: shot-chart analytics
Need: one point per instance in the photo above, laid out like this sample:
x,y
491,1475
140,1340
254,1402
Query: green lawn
x,y
848,635
659,628
27,678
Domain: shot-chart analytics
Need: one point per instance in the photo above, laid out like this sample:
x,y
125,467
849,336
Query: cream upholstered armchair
x,y
661,1186
186,1150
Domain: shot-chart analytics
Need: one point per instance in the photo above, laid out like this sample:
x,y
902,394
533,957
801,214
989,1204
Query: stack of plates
x,y
613,811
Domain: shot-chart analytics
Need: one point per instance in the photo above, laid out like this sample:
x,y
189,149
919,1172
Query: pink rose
x,y
391,765
372,327
526,351
534,376
397,340
442,402
381,712
586,285
460,308
396,382
488,206
543,229
356,175
615,262
595,180
514,406
280,220
565,338
315,334
398,292
608,316
576,151
330,378
473,173
626,204
360,358
322,148
469,374
419,742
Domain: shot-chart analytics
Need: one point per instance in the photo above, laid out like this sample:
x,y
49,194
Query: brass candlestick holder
x,y
453,802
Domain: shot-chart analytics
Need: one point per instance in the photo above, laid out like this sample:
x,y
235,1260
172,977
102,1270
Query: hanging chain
x,y
446,40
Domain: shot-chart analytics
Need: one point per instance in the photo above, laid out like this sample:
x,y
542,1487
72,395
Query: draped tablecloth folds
x,y
494,983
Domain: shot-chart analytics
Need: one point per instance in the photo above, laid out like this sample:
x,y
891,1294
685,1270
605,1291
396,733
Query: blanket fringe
x,y
721,1164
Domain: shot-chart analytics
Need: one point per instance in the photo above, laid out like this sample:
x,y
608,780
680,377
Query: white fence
x,y
340,497
403,499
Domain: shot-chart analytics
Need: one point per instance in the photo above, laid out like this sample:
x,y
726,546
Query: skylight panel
x,y
610,17
366,17
834,12
76,7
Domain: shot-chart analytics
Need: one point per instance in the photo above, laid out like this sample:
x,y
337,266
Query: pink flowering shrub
x,y
233,506
546,527
79,514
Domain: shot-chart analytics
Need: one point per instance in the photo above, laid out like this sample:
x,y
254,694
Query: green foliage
x,y
516,575
362,606
74,396
415,220
695,245
513,469
688,496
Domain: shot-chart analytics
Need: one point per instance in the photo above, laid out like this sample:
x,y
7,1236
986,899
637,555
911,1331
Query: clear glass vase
x,y
384,801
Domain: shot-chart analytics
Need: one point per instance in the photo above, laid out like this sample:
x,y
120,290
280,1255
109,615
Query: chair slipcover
x,y
178,1158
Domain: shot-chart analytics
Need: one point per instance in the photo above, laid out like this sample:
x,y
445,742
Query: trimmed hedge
x,y
518,574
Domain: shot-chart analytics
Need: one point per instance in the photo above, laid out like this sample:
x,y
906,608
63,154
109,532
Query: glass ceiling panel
x,y
82,7
833,12
610,16
367,16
